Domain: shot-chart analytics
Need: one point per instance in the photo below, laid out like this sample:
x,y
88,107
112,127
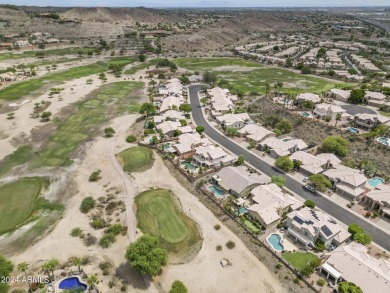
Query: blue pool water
x,y
306,114
72,283
189,166
375,181
383,140
274,239
217,192
242,210
353,130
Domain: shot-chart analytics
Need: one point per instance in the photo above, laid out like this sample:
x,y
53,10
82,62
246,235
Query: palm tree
x,y
92,280
53,264
23,267
77,262
46,268
338,118
267,89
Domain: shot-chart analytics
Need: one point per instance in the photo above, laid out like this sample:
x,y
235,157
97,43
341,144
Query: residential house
x,y
314,98
174,86
307,225
211,156
375,99
270,203
347,181
220,103
234,120
172,128
255,133
170,115
369,121
339,95
4,77
171,103
282,147
315,164
379,199
22,43
52,41
238,181
352,263
186,144
327,110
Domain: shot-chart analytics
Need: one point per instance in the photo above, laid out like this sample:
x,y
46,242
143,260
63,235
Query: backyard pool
x,y
72,283
242,211
306,114
275,241
188,165
383,140
375,181
217,192
353,130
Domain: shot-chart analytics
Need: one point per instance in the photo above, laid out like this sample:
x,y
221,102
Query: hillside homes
x,y
379,199
375,99
238,181
314,98
347,181
282,147
315,164
369,121
270,203
339,95
171,115
255,133
186,143
307,225
352,263
326,110
220,102
211,157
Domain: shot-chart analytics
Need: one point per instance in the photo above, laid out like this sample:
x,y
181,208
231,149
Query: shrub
x,y
90,240
87,204
109,132
178,287
95,176
76,232
321,282
217,227
115,229
278,266
105,265
218,247
336,145
107,240
199,129
131,138
97,224
278,180
284,163
230,244
309,203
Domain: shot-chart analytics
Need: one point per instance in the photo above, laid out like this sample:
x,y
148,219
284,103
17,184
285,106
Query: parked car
x,y
305,179
310,188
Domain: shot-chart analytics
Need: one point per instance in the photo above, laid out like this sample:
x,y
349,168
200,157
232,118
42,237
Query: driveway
x,y
341,214
355,109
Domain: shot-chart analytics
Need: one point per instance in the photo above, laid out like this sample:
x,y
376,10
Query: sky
x,y
203,3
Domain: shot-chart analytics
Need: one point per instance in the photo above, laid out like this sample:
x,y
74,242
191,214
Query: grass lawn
x,y
159,214
54,52
21,89
248,76
252,227
136,159
138,67
387,114
18,200
83,124
20,156
299,259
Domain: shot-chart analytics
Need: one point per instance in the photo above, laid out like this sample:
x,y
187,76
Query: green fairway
x,y
299,260
20,156
136,68
24,88
53,52
250,76
136,159
17,201
83,124
159,214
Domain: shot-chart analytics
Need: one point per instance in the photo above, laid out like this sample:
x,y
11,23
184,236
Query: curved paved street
x,y
379,236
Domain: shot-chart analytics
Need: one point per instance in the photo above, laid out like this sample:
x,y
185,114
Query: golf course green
x,y
17,201
159,214
136,159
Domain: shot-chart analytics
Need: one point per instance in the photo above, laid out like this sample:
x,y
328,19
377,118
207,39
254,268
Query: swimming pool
x,y
306,114
188,165
376,181
72,283
383,140
241,211
353,129
217,192
275,241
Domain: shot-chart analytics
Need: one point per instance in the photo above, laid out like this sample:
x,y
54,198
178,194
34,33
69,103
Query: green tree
x,y
310,204
320,182
240,160
77,262
109,132
349,287
284,126
209,77
363,238
297,164
141,58
354,229
185,108
146,255
46,116
87,204
307,270
231,131
147,108
356,96
6,267
279,180
284,163
199,129
92,280
338,118
336,145
178,287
